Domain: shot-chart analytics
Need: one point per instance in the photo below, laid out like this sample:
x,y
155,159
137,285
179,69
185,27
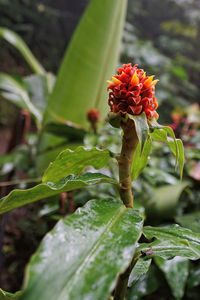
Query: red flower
x,y
133,92
93,115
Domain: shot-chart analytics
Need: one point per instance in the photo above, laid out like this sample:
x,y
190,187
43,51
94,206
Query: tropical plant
x,y
99,248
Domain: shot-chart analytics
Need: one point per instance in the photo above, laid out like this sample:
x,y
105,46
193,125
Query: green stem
x,y
129,144
122,282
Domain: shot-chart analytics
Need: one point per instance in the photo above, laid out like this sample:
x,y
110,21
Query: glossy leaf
x,y
76,260
191,221
161,133
18,198
176,272
146,285
140,159
142,128
16,41
73,162
90,60
170,242
141,267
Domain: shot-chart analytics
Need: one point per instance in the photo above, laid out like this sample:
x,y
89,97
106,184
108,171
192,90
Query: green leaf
x,y
191,221
73,162
142,128
170,242
18,198
141,267
176,272
7,296
16,41
140,160
68,130
90,60
160,133
146,285
76,259
194,277
164,200
181,159
38,89
14,90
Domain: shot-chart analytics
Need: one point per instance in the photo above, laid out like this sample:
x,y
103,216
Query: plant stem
x,y
122,282
129,144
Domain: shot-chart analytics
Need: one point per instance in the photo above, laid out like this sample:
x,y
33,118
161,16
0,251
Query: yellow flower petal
x,y
109,82
134,79
148,81
155,81
117,81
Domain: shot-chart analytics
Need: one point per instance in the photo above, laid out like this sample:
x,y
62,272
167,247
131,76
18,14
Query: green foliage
x,y
160,133
146,285
80,249
18,198
7,296
176,272
89,61
140,158
171,241
141,267
142,128
15,40
191,221
73,162
15,90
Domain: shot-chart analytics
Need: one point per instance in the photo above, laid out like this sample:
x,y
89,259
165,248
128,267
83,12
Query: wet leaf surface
x,y
19,198
76,260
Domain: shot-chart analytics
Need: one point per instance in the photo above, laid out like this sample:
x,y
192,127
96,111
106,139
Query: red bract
x,y
93,115
133,92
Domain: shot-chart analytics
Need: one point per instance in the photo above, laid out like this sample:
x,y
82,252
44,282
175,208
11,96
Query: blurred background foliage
x,y
163,37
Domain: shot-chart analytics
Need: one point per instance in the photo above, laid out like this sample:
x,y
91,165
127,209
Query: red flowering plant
x,y
133,107
133,92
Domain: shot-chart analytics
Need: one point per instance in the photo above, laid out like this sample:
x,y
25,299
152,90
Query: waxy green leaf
x,y
18,198
170,242
141,267
73,162
76,259
176,272
161,133
142,128
146,285
140,159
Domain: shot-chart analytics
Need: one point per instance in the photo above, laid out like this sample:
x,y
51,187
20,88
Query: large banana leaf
x,y
90,59
81,257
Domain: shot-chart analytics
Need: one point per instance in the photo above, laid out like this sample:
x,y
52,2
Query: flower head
x,y
93,115
133,92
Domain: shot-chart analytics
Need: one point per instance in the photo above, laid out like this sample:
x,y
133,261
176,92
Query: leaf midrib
x,y
93,249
